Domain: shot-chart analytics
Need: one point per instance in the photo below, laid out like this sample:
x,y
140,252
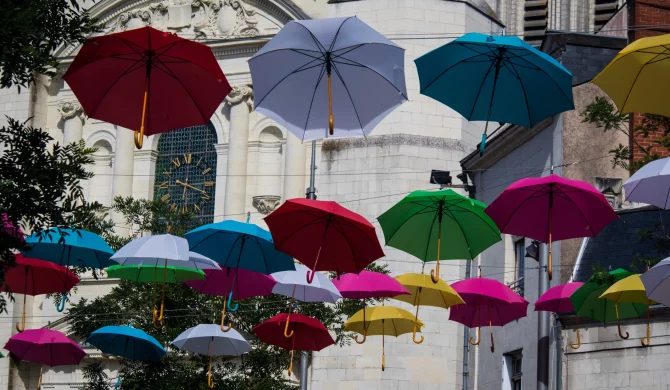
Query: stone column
x,y
221,169
124,163
73,121
241,103
294,168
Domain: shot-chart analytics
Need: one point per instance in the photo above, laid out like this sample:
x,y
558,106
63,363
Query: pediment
x,y
201,20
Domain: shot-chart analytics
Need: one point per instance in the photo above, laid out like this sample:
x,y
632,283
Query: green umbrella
x,y
420,222
587,302
146,273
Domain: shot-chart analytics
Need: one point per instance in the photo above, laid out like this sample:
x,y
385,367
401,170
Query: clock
x,y
186,183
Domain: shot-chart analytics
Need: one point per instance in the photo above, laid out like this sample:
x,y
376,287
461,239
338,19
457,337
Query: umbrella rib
x,y
318,44
445,71
183,61
588,224
357,64
337,33
430,233
346,239
479,91
169,73
337,71
462,232
287,49
623,107
282,80
531,196
514,71
126,72
311,103
404,222
356,46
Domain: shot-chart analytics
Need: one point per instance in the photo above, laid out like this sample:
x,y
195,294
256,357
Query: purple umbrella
x,y
46,347
551,208
366,285
651,184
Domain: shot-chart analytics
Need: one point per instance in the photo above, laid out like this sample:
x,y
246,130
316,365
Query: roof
x,y
620,243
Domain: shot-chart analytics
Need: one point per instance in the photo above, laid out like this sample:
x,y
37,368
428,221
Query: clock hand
x,y
189,186
185,184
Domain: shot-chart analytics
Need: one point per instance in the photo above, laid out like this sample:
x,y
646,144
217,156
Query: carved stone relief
x,y
265,204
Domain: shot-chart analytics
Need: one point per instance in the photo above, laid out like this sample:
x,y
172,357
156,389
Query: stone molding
x,y
70,109
265,204
241,93
335,145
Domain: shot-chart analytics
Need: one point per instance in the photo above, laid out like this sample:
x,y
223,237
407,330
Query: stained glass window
x,y
186,170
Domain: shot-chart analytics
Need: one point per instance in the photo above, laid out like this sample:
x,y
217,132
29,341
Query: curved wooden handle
x,y
479,339
579,342
39,380
23,323
646,341
414,335
331,121
493,345
618,324
383,362
435,273
286,331
139,139
365,337
210,382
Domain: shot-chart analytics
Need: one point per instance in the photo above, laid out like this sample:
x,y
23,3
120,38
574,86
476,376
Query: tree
x,y
40,187
261,369
32,30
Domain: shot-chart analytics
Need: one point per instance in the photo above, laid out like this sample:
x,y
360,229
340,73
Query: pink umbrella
x,y
551,208
557,300
46,347
243,284
366,285
487,302
10,228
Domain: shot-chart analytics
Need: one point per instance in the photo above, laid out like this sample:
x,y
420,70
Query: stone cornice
x,y
334,145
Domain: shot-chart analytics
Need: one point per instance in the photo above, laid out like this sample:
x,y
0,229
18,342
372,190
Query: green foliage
x,y
96,377
32,30
602,113
261,369
40,187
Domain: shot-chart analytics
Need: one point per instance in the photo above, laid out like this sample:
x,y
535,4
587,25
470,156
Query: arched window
x,y
186,170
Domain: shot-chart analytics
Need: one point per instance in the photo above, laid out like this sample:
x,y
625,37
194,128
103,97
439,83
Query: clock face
x,y
186,184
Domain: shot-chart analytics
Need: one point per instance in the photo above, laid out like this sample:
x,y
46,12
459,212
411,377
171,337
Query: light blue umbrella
x,y
69,247
127,342
496,78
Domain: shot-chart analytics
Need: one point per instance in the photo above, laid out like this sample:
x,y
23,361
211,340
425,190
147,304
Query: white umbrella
x,y
293,85
163,250
209,340
294,284
651,184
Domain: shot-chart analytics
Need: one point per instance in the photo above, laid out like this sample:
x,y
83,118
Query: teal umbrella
x,y
127,342
496,78
439,225
69,247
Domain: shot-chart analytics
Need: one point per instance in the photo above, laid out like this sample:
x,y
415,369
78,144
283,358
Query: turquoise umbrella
x,y
69,247
496,78
127,342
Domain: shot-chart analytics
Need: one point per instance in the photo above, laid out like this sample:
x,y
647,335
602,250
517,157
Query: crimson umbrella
x,y
557,300
36,277
324,236
147,79
551,208
45,347
308,334
487,302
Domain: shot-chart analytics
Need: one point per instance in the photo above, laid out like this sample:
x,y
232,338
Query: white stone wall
x,y
532,159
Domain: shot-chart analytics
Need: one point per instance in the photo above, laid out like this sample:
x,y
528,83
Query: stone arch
x,y
102,138
270,135
262,125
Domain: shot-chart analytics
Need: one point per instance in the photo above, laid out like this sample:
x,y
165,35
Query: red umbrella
x,y
557,300
147,79
324,236
45,347
551,208
309,334
36,277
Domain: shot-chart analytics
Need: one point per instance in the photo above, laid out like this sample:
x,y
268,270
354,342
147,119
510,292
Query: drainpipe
x,y
468,264
558,340
303,371
543,324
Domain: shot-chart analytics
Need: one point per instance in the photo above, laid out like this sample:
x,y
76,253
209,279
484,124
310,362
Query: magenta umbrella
x,y
551,208
46,347
487,302
10,228
557,300
366,285
236,283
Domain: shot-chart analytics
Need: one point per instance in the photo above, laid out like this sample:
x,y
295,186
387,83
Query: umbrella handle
x,y
331,121
231,308
310,276
579,341
39,380
290,366
493,345
23,317
647,341
210,382
618,323
286,331
435,273
365,336
414,335
383,362
479,333
61,305
139,134
223,319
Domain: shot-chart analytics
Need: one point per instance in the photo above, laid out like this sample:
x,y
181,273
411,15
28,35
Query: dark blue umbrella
x,y
127,342
69,247
496,78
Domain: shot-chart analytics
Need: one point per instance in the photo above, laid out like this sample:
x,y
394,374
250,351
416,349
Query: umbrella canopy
x,y
384,321
150,273
587,302
368,284
210,340
551,208
496,78
162,250
9,228
293,85
650,184
69,247
46,347
242,283
36,277
127,342
147,79
630,290
324,236
236,244
557,298
422,221
293,284
307,334
657,282
487,302
637,78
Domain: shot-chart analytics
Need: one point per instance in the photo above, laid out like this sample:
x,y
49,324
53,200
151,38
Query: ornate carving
x,y
205,18
265,204
241,93
69,110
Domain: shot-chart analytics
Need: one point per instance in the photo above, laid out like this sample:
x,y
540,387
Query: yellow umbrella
x,y
424,292
637,78
629,290
384,321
